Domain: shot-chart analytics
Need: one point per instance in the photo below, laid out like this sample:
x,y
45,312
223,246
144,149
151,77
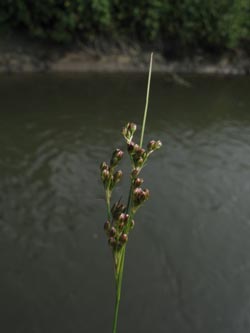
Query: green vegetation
x,y
178,24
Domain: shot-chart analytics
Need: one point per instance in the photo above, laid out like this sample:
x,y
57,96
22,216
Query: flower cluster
x,y
109,176
121,217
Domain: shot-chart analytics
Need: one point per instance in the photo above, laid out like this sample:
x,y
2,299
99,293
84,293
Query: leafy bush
x,y
58,20
185,24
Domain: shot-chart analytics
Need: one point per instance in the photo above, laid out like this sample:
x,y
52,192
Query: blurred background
x,y
35,34
72,74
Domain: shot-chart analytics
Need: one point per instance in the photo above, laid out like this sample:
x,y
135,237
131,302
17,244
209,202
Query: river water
x,y
187,266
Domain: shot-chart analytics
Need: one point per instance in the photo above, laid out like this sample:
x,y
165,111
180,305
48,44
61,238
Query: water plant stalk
x,y
120,217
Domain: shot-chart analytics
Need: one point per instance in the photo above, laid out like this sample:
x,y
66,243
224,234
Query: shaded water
x,y
188,259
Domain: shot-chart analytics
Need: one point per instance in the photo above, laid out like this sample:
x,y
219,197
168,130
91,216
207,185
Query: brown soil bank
x,y
18,55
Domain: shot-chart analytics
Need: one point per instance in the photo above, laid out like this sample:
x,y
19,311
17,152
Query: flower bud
x,y
128,131
140,152
135,172
132,127
112,232
117,176
122,217
123,238
105,176
140,195
138,182
151,145
158,144
139,162
116,157
132,224
112,241
130,147
126,218
104,166
137,148
107,226
121,225
117,209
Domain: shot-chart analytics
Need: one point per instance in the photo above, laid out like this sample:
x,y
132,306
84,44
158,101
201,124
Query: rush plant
x,y
120,216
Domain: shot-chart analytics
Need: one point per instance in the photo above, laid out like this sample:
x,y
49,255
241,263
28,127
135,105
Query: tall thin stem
x,y
147,99
119,260
118,278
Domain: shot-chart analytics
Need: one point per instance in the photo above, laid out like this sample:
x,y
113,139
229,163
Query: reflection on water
x,y
188,262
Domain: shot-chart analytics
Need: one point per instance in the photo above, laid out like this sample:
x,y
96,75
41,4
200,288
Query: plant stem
x,y
108,195
118,277
119,259
147,99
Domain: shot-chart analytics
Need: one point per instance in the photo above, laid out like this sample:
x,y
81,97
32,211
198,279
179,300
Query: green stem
x,y
147,99
118,277
120,257
108,195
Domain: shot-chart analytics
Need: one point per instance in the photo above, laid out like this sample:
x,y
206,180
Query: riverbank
x,y
20,56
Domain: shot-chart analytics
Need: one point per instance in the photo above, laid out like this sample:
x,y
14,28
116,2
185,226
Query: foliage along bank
x,y
180,26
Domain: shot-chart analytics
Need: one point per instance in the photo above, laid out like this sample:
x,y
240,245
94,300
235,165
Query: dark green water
x,y
188,259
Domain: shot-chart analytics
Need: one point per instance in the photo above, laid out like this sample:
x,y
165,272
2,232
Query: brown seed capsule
x,y
122,217
139,162
135,172
112,241
123,238
117,209
117,176
130,147
140,152
112,232
137,148
105,175
138,182
121,225
126,218
140,195
151,145
116,157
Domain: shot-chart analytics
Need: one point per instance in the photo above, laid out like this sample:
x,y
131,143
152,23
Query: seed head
x,y
128,131
116,157
154,145
117,209
140,195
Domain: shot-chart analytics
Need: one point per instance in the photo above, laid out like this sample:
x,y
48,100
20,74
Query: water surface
x,y
188,258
